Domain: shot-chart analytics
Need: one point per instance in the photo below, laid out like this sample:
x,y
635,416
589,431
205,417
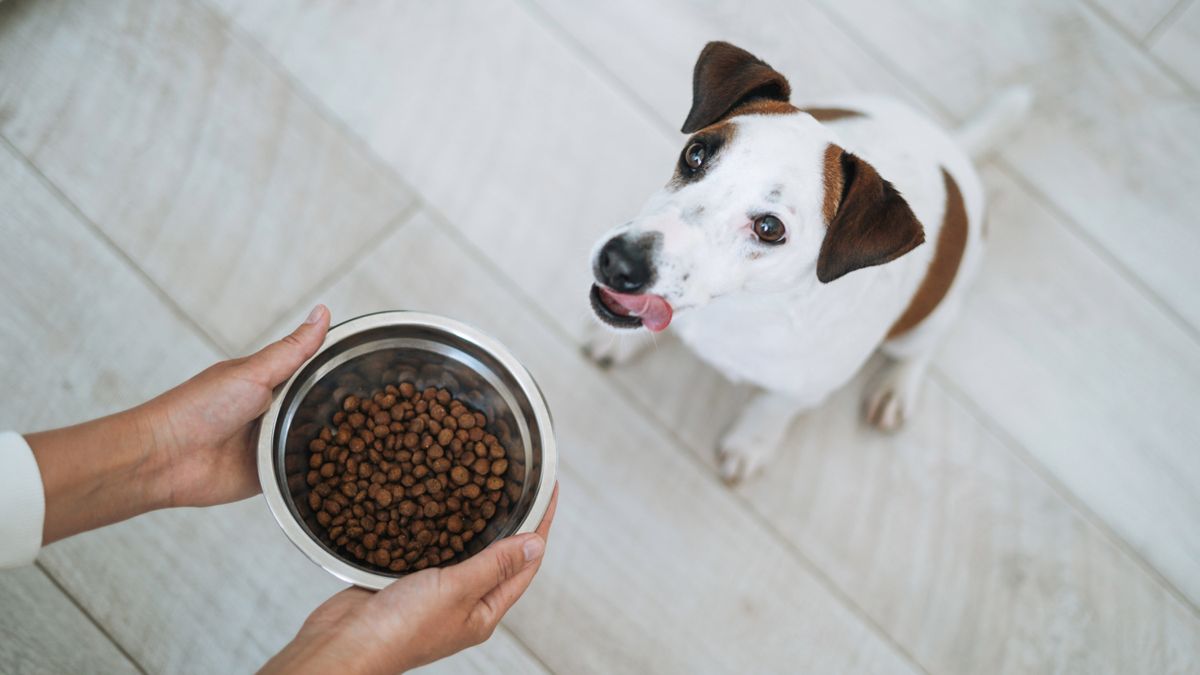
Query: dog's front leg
x,y
608,347
756,435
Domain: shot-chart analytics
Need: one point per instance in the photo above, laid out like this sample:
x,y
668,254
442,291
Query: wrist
x,y
95,473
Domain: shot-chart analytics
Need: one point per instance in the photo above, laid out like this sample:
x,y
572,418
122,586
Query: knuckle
x,y
480,626
504,568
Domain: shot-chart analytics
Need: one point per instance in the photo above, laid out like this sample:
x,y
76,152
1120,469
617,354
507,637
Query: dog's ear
x,y
726,77
870,224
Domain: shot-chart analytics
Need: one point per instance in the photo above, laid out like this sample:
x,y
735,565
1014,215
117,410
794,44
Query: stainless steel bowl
x,y
363,354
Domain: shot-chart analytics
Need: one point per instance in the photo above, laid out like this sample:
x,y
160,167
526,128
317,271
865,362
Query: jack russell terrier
x,y
792,242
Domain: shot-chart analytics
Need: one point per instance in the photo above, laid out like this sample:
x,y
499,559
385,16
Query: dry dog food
x,y
405,479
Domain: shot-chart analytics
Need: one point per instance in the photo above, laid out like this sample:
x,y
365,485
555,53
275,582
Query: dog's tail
x,y
982,132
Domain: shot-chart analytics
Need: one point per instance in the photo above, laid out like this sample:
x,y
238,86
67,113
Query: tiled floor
x,y
180,181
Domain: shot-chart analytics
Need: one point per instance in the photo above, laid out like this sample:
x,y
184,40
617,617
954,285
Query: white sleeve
x,y
22,503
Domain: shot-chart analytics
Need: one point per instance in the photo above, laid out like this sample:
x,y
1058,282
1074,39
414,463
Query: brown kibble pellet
x,y
405,478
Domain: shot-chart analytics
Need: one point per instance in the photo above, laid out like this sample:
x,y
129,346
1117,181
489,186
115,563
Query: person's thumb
x,y
478,575
276,362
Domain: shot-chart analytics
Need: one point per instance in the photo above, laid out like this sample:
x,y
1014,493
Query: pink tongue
x,y
654,311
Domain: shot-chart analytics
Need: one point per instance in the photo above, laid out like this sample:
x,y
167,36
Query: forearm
x,y
97,473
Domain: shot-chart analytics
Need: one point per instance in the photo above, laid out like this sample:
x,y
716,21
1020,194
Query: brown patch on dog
x,y
714,138
831,114
833,182
951,242
725,77
764,106
872,224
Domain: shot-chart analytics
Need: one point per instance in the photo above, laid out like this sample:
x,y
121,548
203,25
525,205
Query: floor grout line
x,y
99,233
83,610
1098,249
1164,24
338,272
1056,486
1015,447
1139,46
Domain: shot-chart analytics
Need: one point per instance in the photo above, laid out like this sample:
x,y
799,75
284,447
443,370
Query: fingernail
x,y
314,314
533,548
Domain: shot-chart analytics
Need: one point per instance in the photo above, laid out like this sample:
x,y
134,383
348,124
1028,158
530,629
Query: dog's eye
x,y
769,229
694,155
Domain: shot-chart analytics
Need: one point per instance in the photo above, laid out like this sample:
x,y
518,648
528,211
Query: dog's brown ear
x,y
724,78
871,225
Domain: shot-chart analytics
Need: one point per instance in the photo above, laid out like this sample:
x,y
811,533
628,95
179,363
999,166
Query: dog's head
x,y
763,199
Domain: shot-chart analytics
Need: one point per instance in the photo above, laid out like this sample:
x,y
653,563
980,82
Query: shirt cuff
x,y
22,502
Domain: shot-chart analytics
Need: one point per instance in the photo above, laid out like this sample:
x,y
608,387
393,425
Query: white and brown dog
x,y
793,242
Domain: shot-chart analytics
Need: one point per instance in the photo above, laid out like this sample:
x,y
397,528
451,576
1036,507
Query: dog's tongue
x,y
653,310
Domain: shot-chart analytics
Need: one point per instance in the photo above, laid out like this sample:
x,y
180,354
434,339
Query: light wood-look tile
x,y
83,335
1122,442
1179,45
512,139
190,153
966,557
214,590
1097,385
627,39
1138,17
651,566
44,633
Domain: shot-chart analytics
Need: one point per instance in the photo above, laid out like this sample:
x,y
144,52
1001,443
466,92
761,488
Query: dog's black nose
x,y
624,264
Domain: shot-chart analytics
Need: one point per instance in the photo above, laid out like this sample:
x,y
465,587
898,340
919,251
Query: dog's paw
x,y
741,456
609,348
892,397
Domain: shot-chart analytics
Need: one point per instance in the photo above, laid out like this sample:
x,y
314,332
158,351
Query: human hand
x,y
421,617
202,433
191,446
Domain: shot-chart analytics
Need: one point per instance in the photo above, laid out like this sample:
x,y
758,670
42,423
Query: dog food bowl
x,y
362,355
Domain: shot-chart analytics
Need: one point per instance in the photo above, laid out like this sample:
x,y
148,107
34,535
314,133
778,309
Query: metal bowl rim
x,y
266,435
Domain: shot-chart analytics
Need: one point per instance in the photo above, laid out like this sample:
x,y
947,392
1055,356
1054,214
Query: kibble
x,y
404,478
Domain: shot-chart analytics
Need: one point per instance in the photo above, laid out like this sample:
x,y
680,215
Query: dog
x,y
793,242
